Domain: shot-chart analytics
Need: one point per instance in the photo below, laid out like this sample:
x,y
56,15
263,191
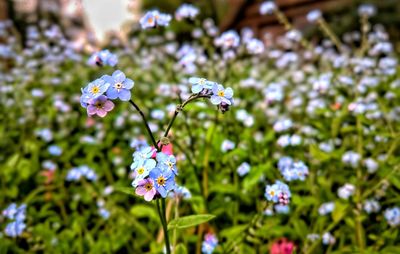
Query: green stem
x,y
161,213
153,140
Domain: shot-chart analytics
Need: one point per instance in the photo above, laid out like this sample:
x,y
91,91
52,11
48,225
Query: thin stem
x,y
328,31
161,213
179,108
176,216
153,140
165,226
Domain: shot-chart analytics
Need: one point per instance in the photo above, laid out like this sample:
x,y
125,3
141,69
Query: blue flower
x,y
243,169
93,90
186,11
221,95
209,244
104,57
154,18
55,150
76,173
167,162
392,215
15,228
139,157
278,192
119,86
143,170
199,84
164,181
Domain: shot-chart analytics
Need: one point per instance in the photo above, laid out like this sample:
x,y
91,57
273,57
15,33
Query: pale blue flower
x,y
221,95
198,84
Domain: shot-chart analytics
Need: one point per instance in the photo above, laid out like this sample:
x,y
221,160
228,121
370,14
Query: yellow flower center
x,y
221,93
150,20
202,81
95,90
140,170
148,186
272,193
161,180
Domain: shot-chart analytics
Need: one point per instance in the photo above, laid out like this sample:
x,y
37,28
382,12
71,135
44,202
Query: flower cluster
x,y
97,95
154,18
18,216
220,96
154,173
292,170
209,244
188,11
75,174
278,193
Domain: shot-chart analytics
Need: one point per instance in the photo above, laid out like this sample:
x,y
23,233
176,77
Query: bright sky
x,y
105,15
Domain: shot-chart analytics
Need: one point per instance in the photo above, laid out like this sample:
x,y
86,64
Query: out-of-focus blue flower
x,y
267,7
328,239
209,244
164,181
198,84
46,134
351,158
392,215
15,228
55,150
166,162
326,208
292,170
227,145
49,165
76,173
314,15
371,165
243,169
282,209
154,18
255,46
227,40
18,215
371,206
346,191
180,192
119,87
367,10
104,213
221,95
188,11
104,57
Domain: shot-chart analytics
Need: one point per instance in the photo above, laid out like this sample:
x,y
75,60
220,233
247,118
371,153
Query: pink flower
x,y
146,188
282,246
100,106
165,149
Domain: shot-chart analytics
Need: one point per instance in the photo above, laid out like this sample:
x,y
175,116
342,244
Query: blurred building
x,y
245,13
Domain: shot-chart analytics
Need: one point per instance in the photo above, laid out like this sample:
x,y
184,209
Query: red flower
x,y
165,149
282,246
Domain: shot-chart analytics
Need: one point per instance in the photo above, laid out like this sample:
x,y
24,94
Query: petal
x,y
124,95
101,112
228,93
162,191
150,195
216,100
197,88
119,76
128,83
215,88
150,164
108,106
91,110
140,191
194,80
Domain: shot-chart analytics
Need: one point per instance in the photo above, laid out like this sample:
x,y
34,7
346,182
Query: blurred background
x,y
93,19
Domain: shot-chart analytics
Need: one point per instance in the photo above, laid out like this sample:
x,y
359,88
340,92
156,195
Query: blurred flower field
x,y
218,143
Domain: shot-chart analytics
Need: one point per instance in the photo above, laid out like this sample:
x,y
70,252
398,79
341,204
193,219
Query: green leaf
x,y
143,211
190,221
126,190
181,249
